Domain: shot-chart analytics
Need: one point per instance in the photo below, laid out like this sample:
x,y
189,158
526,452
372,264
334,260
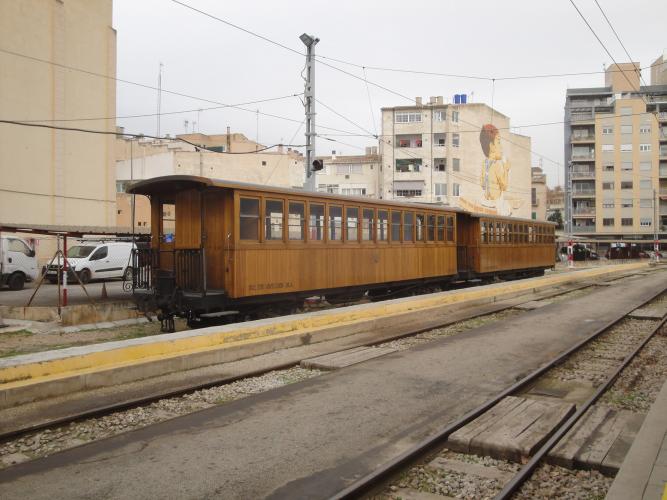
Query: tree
x,y
556,217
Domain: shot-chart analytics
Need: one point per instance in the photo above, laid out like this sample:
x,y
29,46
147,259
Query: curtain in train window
x,y
316,222
367,222
335,223
249,219
273,217
419,227
383,225
296,219
352,217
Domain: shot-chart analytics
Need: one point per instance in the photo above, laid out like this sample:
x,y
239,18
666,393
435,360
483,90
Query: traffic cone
x,y
104,291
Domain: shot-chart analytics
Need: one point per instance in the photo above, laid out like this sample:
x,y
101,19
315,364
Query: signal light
x,y
317,165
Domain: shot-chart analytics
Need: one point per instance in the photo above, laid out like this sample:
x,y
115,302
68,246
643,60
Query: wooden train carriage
x,y
490,244
256,241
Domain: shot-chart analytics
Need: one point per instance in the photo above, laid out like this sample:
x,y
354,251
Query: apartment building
x,y
138,159
616,155
538,195
52,176
555,201
355,175
460,154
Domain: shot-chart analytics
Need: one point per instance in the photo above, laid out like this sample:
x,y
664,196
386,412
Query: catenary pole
x,y
309,97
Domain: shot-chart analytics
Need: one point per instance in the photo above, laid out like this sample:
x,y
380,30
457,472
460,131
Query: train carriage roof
x,y
169,184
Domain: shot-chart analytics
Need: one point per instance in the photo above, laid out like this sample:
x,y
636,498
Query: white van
x,y
18,263
93,260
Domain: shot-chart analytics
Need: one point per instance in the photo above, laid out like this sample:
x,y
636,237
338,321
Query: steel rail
x,y
380,475
146,400
526,471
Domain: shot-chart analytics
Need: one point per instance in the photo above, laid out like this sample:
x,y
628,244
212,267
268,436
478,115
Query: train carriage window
x,y
408,225
491,229
335,223
274,211
249,219
530,234
510,233
499,235
352,216
503,232
367,223
383,225
419,227
441,228
482,228
450,228
168,222
296,219
316,222
430,227
396,226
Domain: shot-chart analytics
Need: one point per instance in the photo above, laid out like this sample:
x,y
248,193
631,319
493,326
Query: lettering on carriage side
x,y
258,287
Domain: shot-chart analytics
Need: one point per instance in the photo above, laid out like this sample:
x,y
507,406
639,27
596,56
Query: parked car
x,y
18,263
95,260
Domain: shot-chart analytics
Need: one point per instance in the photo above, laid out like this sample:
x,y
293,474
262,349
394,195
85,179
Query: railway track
x,y
101,422
434,468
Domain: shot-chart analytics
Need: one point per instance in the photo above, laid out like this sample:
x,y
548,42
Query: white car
x,y
95,260
18,263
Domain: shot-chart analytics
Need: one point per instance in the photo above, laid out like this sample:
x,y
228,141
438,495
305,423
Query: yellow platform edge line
x,y
30,373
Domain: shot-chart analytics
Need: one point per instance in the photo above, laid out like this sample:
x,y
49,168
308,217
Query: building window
x,y
609,167
456,164
273,217
607,148
608,222
626,165
455,140
645,222
440,189
645,184
440,164
626,111
328,188
626,147
408,117
626,221
263,163
645,166
348,169
608,204
121,186
607,185
409,165
626,184
455,116
249,219
646,203
353,191
408,193
440,116
626,202
533,196
626,129
644,129
456,189
644,147
440,139
607,130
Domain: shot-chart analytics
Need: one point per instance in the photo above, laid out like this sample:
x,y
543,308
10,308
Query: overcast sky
x,y
205,58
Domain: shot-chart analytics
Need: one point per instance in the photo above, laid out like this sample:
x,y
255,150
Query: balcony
x,y
583,229
662,116
663,152
663,171
581,117
583,211
583,174
580,139
583,156
584,193
409,141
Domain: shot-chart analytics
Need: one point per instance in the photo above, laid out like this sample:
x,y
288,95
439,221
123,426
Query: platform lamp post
x,y
656,226
309,96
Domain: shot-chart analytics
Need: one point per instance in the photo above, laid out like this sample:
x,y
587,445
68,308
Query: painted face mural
x,y
494,177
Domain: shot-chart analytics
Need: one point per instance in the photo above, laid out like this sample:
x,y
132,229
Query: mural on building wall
x,y
494,178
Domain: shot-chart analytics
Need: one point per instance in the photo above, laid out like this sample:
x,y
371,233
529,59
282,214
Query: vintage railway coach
x,y
218,245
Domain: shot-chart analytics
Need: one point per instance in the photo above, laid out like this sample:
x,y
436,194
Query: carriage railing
x,y
157,269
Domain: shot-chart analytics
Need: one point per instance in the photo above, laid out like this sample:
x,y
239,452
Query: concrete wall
x,y
49,176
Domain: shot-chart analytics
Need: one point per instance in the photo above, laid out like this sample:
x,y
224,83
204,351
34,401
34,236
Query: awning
x,y
408,185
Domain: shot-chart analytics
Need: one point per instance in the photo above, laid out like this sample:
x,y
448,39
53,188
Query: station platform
x,y
33,377
643,474
312,438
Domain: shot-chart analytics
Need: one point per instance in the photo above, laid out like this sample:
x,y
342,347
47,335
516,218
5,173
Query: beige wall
x,y
142,211
515,199
659,70
539,205
49,176
356,175
623,77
